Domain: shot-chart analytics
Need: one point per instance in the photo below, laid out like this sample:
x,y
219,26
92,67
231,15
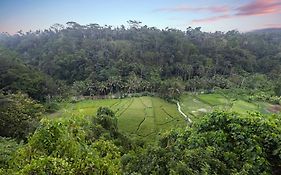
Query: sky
x,y
211,15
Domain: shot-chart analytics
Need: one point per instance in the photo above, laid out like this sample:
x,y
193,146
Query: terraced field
x,y
137,116
197,105
146,116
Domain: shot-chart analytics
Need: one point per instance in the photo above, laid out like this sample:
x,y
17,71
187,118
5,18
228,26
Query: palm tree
x,y
103,89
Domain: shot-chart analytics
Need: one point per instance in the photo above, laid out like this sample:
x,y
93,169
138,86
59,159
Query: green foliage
x,y
47,165
106,118
19,115
257,82
105,111
51,107
7,149
101,60
80,88
159,115
61,147
262,96
220,143
171,89
277,89
16,76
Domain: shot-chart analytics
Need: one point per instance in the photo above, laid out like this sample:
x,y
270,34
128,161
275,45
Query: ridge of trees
x,y
100,60
15,75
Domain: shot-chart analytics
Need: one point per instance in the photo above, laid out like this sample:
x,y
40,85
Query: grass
x,y
147,116
83,108
191,105
213,99
263,107
198,105
243,107
133,115
166,115
138,116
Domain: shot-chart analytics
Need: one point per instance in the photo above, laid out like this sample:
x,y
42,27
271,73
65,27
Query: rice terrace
x,y
146,116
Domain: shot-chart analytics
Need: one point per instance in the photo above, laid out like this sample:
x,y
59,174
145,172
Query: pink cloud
x,y
211,19
186,8
254,8
259,7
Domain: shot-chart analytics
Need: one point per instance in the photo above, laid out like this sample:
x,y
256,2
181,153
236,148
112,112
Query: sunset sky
x,y
211,15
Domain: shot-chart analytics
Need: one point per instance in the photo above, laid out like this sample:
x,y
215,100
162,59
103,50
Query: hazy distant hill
x,y
267,30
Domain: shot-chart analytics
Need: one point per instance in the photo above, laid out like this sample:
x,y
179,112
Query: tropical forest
x,y
83,99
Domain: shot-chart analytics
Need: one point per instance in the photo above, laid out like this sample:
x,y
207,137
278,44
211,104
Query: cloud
x,y
259,7
186,8
211,19
254,8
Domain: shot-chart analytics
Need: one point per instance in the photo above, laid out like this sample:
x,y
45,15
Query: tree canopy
x,y
104,60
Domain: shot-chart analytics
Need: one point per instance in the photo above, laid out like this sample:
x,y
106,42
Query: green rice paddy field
x,y
147,116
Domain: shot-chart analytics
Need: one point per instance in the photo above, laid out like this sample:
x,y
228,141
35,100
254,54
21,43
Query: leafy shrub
x,y
7,149
47,165
51,107
106,118
262,96
19,115
219,143
60,147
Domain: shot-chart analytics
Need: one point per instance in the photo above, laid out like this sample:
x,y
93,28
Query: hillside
x,y
267,30
99,60
15,76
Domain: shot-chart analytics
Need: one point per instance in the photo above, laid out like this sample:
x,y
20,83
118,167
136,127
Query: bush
x,y
265,97
219,143
106,118
19,115
61,147
47,165
277,89
51,107
7,148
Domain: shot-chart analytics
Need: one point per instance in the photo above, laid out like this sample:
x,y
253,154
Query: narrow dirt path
x,y
145,114
185,116
140,124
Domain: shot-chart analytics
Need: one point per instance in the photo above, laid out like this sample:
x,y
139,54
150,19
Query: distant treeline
x,y
99,60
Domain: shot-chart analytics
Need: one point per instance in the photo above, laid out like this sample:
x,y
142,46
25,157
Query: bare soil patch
x,y
275,108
